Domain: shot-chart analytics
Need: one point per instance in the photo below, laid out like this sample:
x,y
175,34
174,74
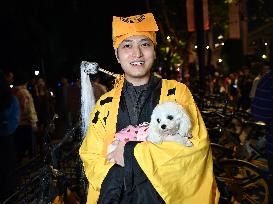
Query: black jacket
x,y
130,185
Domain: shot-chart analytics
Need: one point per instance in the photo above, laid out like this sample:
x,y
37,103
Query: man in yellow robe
x,y
150,173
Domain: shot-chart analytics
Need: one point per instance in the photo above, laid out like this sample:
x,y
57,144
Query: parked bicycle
x,y
58,177
238,154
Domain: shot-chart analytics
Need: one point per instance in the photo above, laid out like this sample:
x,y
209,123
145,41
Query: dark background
x,y
55,36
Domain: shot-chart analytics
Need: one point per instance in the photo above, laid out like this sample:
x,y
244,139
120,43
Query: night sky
x,y
55,36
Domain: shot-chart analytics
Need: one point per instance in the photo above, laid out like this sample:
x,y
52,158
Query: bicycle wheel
x,y
220,152
245,181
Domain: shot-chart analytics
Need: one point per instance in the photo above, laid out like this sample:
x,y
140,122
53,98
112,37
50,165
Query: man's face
x,y
136,56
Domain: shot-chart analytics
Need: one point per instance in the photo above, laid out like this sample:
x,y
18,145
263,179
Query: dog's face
x,y
168,119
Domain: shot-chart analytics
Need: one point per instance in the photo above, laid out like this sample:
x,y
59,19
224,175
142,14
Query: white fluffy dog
x,y
170,122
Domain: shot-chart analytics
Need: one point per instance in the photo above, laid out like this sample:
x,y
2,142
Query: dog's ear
x,y
153,133
185,123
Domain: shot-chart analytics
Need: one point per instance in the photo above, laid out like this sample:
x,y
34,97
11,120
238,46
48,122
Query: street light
x,y
220,37
264,56
36,72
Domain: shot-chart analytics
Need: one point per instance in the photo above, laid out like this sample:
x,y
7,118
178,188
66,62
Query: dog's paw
x,y
187,142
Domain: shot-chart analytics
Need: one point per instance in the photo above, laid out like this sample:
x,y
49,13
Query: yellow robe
x,y
181,175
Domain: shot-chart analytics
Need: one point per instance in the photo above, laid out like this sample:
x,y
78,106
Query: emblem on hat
x,y
133,19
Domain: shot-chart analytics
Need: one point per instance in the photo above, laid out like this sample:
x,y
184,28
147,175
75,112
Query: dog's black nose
x,y
163,127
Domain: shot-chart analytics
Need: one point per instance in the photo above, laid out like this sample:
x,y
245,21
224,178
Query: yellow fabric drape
x,y
179,174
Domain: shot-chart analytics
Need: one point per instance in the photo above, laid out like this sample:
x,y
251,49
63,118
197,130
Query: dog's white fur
x,y
170,122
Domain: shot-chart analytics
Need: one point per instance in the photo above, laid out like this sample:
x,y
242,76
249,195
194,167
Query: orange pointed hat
x,y
124,27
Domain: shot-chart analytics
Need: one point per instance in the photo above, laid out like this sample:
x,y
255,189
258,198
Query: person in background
x,y
44,106
9,120
232,88
244,85
262,110
25,140
43,103
264,69
148,173
62,107
8,77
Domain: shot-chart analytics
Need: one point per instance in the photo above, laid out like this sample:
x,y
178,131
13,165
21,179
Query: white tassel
x,y
93,68
87,99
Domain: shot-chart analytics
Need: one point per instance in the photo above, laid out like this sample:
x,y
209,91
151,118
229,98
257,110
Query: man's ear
x,y
116,54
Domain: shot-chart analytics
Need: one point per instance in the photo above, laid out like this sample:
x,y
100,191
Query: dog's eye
x,y
158,120
170,117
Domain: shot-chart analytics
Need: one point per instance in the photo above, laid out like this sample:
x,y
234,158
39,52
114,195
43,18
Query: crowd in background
x,y
239,86
27,106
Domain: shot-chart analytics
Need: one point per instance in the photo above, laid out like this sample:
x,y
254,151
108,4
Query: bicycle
x,y
240,181
239,177
58,174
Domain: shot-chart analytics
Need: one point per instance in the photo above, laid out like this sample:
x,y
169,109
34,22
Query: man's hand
x,y
117,154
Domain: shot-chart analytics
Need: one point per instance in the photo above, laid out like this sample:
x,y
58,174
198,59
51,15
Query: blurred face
x,y
136,56
9,77
40,82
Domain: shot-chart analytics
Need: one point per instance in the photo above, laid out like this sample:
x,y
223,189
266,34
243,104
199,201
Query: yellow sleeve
x,y
182,175
94,162
99,136
92,153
